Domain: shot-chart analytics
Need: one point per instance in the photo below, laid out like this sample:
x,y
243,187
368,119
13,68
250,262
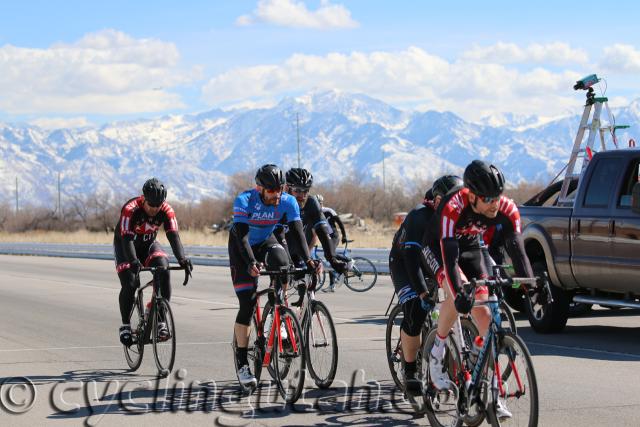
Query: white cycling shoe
x,y
439,376
246,378
502,411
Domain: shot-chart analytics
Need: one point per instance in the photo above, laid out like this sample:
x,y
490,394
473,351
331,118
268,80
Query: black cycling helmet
x,y
298,177
483,179
270,177
443,185
154,192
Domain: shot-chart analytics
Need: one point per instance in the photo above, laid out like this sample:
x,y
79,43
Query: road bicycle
x,y
276,340
361,274
144,324
502,374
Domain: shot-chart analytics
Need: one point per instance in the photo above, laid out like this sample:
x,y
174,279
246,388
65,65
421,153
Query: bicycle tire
x,y
510,348
163,347
282,360
315,309
393,345
255,348
358,280
505,311
321,280
133,354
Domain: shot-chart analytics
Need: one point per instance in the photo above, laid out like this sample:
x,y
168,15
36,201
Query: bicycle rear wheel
x,y
394,346
133,353
519,388
164,348
362,276
289,362
321,344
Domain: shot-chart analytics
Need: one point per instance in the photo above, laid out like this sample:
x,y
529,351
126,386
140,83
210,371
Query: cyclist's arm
x,y
171,230
450,253
321,227
297,231
126,232
241,233
513,242
338,221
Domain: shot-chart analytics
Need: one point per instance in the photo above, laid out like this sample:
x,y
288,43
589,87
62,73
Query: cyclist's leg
x,y
158,258
472,264
127,293
245,288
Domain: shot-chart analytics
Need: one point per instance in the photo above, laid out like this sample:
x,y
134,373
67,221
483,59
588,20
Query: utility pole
x,y
59,210
16,195
298,132
384,180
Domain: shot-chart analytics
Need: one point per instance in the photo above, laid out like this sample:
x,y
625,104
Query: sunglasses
x,y
153,206
300,190
273,190
487,199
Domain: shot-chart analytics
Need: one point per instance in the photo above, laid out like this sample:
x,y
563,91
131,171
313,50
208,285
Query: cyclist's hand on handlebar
x,y
135,266
254,269
344,241
186,264
314,265
464,301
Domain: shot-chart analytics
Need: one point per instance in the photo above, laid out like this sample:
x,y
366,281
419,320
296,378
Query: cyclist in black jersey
x,y
464,216
298,183
411,263
334,221
135,245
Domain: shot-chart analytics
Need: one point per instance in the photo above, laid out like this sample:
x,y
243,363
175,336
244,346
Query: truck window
x,y
630,178
602,183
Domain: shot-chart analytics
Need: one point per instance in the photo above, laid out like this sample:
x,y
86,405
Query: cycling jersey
x,y
460,225
262,219
136,232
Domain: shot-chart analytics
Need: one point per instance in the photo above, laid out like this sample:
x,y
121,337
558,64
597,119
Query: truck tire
x,y
552,317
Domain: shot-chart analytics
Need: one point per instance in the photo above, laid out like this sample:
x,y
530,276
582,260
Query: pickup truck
x,y
591,250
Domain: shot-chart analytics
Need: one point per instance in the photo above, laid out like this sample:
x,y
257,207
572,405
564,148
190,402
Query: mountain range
x,y
341,135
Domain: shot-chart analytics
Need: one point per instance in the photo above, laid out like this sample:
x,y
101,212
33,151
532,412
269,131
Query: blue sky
x,y
76,62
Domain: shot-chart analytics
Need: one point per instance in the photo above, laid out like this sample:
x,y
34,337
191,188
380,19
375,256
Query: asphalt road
x,y
61,362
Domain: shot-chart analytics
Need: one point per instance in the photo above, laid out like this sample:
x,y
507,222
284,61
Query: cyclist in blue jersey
x,y
256,213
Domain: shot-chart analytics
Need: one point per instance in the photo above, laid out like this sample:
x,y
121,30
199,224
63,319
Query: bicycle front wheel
x,y
321,344
517,389
508,320
362,276
394,345
133,353
289,361
164,341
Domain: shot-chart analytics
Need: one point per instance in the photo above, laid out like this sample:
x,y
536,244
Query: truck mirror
x,y
635,198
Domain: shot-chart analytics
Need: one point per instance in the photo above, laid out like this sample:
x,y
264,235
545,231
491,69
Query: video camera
x,y
586,82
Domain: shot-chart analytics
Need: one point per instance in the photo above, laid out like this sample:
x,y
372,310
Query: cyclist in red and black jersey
x,y
466,214
135,245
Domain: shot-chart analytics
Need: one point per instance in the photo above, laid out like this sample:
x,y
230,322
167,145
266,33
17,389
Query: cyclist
x,y
135,245
334,221
409,263
463,216
299,182
256,213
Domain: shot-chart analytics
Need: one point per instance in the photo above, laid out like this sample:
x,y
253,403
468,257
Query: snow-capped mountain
x,y
341,135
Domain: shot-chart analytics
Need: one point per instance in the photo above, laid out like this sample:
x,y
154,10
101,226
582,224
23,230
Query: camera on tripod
x,y
586,82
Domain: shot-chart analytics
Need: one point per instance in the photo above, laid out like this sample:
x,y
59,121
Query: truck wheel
x,y
515,299
552,317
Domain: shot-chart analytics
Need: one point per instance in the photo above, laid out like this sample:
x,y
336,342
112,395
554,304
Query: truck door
x,y
591,224
626,234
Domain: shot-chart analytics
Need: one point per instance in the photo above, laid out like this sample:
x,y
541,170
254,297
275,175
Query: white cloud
x,y
510,53
107,72
292,13
621,58
61,122
409,78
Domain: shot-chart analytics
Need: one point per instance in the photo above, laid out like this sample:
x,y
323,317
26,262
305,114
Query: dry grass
x,y
375,236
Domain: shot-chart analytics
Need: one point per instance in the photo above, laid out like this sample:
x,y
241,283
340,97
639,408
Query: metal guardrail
x,y
200,255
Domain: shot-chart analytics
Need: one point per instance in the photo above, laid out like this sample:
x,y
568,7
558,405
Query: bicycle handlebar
x,y
153,270
284,271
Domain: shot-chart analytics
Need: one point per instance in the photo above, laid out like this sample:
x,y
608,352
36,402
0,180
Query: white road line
x,y
18,350
591,350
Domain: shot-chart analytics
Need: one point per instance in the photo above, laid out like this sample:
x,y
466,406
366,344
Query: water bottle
x,y
267,324
435,314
